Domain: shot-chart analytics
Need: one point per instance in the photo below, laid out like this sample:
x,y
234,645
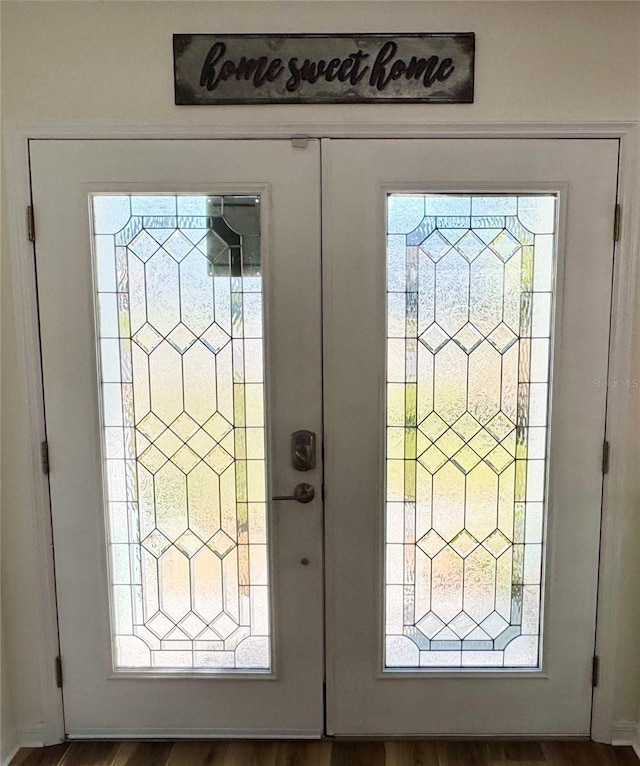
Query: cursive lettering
x,y
259,70
340,69
388,67
431,70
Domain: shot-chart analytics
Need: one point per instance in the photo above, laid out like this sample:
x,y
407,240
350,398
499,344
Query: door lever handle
x,y
303,493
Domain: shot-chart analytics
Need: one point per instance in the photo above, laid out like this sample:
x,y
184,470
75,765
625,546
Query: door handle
x,y
303,493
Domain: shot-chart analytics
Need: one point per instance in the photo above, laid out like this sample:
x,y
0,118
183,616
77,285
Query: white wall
x,y
104,60
111,62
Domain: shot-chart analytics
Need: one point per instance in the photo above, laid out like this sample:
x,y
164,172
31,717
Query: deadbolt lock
x,y
303,450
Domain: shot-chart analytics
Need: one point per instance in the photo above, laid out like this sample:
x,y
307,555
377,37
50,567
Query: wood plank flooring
x,y
327,753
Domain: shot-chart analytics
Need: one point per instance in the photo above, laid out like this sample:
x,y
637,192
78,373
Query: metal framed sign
x,y
324,69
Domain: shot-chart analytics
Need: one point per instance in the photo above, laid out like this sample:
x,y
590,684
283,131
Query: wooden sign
x,y
324,69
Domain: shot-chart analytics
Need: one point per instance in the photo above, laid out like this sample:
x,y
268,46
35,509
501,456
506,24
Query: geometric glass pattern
x,y
469,307
179,303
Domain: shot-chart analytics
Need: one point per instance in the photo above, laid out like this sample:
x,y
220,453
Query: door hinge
x,y
31,226
59,672
617,218
44,457
595,671
299,142
605,457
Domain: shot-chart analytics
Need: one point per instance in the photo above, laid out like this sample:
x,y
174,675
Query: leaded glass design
x,y
469,305
179,306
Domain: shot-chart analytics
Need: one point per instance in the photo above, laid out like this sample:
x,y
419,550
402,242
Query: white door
x,y
188,605
465,307
464,475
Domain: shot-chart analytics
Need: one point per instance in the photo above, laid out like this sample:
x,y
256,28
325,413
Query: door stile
x,y
327,445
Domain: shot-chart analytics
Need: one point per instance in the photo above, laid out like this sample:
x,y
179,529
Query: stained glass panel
x,y
180,329
469,298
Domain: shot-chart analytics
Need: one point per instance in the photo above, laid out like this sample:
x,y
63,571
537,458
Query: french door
x,y
183,605
481,436
451,348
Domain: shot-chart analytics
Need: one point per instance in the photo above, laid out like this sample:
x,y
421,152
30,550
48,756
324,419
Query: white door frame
x,y
619,488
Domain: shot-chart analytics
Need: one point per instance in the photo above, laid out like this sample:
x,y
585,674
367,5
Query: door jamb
x,y
616,652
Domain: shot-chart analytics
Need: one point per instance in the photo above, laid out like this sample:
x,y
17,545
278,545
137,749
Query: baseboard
x,y
26,737
626,733
38,735
9,749
34,736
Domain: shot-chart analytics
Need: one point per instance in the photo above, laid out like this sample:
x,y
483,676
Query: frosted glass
x,y
181,340
469,307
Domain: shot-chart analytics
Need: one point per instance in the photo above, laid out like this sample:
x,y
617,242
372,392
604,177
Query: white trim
x,y
617,490
36,736
16,163
625,733
244,130
9,749
617,494
39,735
6,759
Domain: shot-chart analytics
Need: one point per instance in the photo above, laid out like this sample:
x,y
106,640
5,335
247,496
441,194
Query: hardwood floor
x,y
327,753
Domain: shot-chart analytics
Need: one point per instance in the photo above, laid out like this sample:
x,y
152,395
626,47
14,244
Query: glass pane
x,y
469,303
180,329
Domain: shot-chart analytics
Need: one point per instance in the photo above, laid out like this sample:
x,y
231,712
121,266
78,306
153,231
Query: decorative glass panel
x,y
469,302
181,359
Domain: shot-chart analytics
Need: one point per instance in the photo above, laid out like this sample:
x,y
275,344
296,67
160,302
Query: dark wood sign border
x,y
180,38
